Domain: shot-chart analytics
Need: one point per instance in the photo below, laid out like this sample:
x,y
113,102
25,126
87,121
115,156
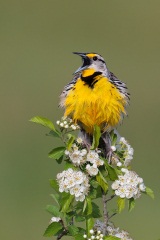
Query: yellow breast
x,y
101,105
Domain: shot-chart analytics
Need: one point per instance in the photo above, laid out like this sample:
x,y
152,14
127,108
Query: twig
x,y
108,199
112,215
65,231
62,234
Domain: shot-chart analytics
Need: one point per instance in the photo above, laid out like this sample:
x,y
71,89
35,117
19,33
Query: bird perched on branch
x,y
95,96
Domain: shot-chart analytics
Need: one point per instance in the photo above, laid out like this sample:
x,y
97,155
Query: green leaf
x,y
111,171
73,230
93,193
96,211
131,204
57,153
55,133
52,229
71,139
53,210
96,137
56,197
69,165
85,205
113,136
89,224
79,218
111,238
54,185
102,182
79,237
89,206
149,192
120,204
43,121
94,183
65,202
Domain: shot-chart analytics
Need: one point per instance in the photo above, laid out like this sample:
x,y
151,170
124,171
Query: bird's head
x,y
92,61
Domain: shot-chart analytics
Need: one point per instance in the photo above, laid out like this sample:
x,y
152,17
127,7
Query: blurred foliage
x,y
37,38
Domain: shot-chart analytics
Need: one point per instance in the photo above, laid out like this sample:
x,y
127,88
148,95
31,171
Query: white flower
x,y
91,156
58,122
123,140
55,219
119,164
115,184
124,170
142,187
92,171
61,124
79,140
66,152
113,148
84,236
74,182
73,127
128,185
91,231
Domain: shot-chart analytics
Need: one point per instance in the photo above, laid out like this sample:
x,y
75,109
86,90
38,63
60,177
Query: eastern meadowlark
x,y
95,96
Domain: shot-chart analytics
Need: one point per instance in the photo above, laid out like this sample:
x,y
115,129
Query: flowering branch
x,y
87,176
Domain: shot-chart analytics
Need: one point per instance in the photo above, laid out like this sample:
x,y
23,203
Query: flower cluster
x,y
81,156
74,182
94,235
122,234
128,185
128,151
67,123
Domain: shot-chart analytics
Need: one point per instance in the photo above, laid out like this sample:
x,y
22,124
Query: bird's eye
x,y
95,58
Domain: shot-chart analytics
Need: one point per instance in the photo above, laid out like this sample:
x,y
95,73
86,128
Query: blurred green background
x,y
37,38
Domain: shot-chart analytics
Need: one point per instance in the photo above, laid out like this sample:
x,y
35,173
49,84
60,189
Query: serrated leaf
x,y
96,137
56,197
131,204
79,218
57,153
111,171
89,206
149,192
71,139
120,204
73,230
53,210
79,237
59,161
55,133
65,202
93,193
69,165
89,224
43,121
52,229
94,183
54,185
111,238
102,183
96,211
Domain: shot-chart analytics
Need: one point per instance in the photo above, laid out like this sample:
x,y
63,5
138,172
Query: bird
x,y
95,96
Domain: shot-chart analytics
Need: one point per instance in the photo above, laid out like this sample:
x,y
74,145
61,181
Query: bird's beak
x,y
86,61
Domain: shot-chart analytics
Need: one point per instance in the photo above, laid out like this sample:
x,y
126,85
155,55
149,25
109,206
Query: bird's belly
x,y
102,105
